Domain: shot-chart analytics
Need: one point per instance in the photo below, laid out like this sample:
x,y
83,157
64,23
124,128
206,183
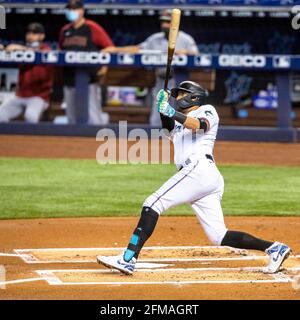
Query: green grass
x,y
32,188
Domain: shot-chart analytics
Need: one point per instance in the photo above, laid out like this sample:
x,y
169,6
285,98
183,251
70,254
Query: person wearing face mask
x,y
81,34
185,44
34,83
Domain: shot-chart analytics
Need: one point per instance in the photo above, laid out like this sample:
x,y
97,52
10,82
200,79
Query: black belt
x,y
188,161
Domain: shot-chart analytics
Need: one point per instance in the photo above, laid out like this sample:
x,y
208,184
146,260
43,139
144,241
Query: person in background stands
x,y
83,35
34,83
185,44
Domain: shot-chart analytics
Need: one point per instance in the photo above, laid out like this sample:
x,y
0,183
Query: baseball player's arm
x,y
133,49
188,122
195,123
190,47
191,52
167,123
167,111
127,49
99,36
14,47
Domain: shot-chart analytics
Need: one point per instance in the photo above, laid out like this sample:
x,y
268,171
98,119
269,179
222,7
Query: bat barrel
x,y
175,22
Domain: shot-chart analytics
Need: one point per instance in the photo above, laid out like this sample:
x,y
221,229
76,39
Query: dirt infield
x,y
286,154
182,272
56,258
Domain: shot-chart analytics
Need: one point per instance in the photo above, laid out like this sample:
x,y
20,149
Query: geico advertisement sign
x,y
161,59
17,56
257,61
87,57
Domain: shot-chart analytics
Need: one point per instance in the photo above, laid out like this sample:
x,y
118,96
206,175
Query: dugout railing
x,y
280,65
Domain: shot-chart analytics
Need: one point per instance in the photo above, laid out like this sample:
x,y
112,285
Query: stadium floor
x,y
226,152
67,269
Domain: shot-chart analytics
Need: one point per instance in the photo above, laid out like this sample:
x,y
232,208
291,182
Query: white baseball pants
x,y
201,185
33,107
95,114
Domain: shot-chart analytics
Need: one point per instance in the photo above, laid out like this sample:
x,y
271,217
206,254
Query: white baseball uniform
x,y
198,181
33,108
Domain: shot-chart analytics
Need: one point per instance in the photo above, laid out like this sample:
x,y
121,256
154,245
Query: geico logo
x,y
161,59
17,56
155,59
242,61
87,57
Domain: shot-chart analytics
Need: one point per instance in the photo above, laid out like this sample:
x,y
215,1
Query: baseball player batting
x,y
192,127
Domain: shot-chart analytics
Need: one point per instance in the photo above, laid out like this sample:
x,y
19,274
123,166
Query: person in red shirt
x,y
83,35
34,83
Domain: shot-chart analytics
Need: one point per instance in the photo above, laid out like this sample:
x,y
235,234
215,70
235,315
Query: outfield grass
x,y
32,188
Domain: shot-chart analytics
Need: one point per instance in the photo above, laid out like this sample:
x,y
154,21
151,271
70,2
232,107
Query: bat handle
x,y
168,68
167,77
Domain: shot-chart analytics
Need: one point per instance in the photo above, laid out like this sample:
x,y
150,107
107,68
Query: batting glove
x,y
162,96
165,109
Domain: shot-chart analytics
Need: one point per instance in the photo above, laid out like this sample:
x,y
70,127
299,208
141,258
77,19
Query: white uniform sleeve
x,y
185,41
149,43
144,45
192,46
209,113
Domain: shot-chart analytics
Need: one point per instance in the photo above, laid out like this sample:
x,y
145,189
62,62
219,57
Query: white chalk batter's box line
x,y
25,255
52,279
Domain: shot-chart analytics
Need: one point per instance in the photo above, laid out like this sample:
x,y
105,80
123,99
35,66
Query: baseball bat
x,y
175,21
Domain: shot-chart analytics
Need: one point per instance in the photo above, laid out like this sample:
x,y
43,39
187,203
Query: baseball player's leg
x,y
69,98
209,212
243,240
11,109
278,252
96,116
126,262
35,107
210,215
184,187
141,233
